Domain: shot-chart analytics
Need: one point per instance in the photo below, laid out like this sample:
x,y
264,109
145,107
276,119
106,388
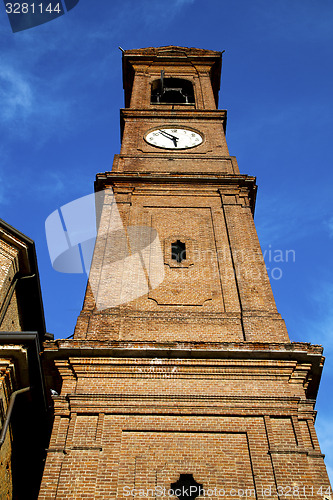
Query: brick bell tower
x,y
181,375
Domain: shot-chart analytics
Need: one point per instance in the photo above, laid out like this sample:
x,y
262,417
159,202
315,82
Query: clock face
x,y
173,138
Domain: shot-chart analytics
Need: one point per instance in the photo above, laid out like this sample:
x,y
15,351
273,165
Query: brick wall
x,y
195,374
236,422
7,381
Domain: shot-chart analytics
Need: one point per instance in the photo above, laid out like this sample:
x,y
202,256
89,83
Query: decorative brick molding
x,y
191,249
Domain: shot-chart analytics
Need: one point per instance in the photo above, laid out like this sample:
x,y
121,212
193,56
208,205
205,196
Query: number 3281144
x,y
32,8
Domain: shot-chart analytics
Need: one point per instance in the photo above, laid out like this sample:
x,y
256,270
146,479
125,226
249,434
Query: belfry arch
x,y
172,91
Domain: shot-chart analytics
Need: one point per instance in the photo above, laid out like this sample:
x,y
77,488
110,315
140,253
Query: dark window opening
x,y
186,488
178,251
172,91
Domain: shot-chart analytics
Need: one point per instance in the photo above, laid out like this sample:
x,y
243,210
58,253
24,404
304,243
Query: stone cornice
x,y
259,350
308,357
183,404
219,182
215,179
179,113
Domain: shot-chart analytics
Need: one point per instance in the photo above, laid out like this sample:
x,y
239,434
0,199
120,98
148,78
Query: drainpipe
x,y
30,339
9,412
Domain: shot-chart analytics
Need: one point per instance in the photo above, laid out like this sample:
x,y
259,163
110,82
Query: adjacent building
x,y
24,416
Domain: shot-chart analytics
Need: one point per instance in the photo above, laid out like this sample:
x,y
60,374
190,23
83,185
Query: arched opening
x,y
172,91
178,251
186,488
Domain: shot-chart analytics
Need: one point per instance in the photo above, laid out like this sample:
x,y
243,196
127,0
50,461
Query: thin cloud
x,y
16,95
322,326
38,87
183,3
51,185
324,428
4,199
329,225
28,106
285,222
319,331
40,84
158,12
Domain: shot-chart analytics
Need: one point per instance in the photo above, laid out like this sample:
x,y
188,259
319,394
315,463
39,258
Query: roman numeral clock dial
x,y
173,138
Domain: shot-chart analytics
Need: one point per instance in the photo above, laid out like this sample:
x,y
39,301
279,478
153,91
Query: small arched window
x,y
186,488
178,251
172,91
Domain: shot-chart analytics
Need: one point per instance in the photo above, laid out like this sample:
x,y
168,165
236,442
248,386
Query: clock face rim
x,y
172,127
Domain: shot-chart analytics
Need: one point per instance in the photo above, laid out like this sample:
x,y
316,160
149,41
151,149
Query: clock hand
x,y
169,136
166,134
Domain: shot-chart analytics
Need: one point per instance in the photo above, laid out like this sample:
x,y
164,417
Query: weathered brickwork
x,y
197,374
12,260
7,382
237,420
9,266
224,295
24,429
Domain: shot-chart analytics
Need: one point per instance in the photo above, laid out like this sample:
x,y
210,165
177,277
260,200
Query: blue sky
x,y
60,94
